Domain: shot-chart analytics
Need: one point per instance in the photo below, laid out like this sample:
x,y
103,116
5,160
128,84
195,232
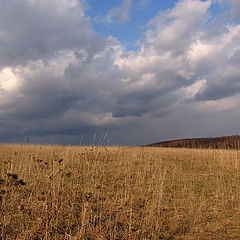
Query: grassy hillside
x,y
51,192
227,142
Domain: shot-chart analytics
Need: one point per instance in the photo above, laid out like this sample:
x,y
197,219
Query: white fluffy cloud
x,y
58,77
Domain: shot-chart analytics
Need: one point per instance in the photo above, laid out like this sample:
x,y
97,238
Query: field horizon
x,y
223,142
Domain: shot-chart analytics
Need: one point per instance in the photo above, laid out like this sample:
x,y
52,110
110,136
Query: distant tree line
x,y
226,142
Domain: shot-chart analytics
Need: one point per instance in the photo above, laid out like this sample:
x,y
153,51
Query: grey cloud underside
x,y
72,82
229,86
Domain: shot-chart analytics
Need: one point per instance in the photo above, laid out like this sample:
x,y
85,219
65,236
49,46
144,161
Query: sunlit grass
x,y
52,192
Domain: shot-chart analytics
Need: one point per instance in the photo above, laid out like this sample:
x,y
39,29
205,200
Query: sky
x,y
120,72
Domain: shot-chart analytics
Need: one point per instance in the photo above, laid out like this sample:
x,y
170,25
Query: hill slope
x,y
225,142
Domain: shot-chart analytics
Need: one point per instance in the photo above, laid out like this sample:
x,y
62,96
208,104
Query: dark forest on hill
x,y
226,142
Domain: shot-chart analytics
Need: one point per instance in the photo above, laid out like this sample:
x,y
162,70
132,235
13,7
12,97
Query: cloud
x,y
143,3
32,30
119,14
58,77
235,10
233,5
173,29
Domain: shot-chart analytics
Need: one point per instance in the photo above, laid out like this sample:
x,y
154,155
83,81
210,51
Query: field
x,y
53,192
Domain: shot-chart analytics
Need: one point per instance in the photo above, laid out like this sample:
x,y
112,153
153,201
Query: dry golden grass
x,y
52,192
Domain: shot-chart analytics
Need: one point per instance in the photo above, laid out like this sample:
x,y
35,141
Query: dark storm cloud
x,y
58,77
